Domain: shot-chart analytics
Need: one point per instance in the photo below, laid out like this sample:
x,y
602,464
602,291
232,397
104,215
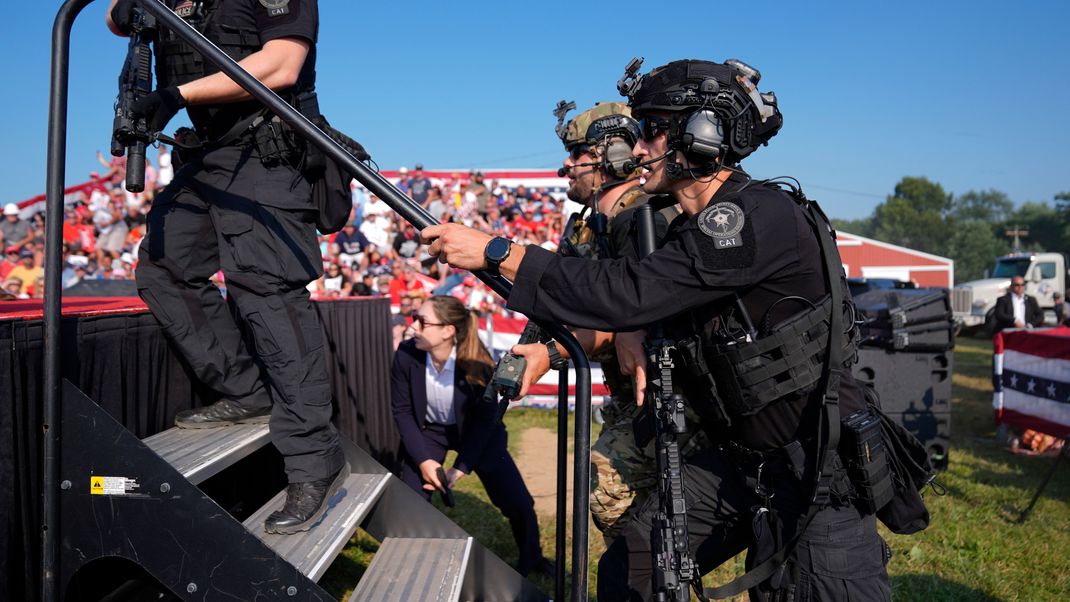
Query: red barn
x,y
867,258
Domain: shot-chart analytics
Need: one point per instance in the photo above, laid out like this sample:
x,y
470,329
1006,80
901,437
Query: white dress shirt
x,y
439,387
1018,301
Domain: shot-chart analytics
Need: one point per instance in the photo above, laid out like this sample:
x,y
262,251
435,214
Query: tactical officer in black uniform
x,y
740,275
241,204
604,177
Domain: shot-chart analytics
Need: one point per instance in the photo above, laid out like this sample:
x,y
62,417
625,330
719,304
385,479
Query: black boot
x,y
306,503
224,412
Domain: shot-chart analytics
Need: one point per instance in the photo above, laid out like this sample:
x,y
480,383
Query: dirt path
x,y
538,463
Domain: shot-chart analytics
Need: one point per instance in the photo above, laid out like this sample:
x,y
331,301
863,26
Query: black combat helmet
x,y
736,118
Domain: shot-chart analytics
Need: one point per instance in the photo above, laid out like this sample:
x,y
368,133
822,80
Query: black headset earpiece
x,y
616,159
703,136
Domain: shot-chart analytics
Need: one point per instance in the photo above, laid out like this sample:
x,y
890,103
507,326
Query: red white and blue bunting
x,y
1031,379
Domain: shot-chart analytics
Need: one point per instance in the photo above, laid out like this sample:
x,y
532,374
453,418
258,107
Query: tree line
x,y
971,228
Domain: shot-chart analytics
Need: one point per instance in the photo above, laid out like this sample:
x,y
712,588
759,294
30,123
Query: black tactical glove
x,y
159,107
355,148
122,14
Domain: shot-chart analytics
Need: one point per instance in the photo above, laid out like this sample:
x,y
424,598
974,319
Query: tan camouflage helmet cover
x,y
577,129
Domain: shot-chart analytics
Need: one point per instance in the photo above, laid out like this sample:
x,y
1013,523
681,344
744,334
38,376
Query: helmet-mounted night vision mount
x,y
562,109
630,83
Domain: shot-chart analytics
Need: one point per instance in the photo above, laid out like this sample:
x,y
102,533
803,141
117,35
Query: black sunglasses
x,y
575,152
650,127
422,321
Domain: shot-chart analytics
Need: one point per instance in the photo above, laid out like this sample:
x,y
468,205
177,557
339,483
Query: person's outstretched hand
x,y
460,246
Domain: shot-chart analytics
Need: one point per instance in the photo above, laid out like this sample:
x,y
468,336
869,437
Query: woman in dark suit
x,y
437,382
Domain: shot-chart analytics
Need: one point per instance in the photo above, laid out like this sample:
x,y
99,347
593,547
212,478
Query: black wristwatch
x,y
496,251
556,361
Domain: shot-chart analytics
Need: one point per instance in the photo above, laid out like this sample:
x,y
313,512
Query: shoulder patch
x,y
723,222
276,8
184,9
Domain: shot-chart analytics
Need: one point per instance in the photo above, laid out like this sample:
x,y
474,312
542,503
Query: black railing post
x,y
581,481
562,485
57,153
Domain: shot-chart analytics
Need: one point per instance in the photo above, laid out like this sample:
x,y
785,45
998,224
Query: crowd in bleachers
x,y
377,253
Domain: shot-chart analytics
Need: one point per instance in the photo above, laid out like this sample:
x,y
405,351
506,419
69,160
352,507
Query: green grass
x,y
973,549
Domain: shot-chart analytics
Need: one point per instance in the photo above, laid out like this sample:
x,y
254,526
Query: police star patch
x,y
722,222
276,8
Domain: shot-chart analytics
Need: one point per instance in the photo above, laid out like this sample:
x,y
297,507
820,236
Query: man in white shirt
x,y
374,227
1017,309
375,206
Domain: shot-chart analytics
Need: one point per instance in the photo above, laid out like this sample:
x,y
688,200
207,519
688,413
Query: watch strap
x,y
557,362
494,264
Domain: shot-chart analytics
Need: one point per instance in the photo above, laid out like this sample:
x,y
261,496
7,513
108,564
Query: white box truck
x,y
1045,274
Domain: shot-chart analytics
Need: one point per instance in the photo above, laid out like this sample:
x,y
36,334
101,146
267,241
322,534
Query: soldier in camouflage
x,y
603,178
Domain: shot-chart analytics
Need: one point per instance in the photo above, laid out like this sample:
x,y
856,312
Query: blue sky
x,y
970,94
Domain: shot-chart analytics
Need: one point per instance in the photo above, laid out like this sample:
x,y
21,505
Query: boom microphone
x,y
562,172
630,166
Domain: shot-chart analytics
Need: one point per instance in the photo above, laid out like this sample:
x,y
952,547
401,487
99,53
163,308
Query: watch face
x,y
498,249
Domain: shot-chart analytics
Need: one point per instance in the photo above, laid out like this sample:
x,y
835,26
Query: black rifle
x,y
130,134
674,569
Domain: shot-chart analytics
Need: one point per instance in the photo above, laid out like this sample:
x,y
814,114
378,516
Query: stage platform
x,y
114,351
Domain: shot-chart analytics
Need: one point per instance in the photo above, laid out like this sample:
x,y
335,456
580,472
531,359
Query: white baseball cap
x,y
11,209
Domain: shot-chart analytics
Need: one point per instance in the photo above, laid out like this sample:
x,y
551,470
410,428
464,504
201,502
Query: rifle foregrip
x,y
135,167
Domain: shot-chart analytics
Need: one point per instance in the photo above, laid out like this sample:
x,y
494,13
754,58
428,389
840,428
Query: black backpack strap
x,y
829,425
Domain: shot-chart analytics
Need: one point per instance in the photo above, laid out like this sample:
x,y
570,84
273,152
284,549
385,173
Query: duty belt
x,y
791,456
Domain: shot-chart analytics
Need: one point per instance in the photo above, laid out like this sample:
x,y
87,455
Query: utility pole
x,y
1017,232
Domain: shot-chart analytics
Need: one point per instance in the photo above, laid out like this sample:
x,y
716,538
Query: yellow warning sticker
x,y
112,485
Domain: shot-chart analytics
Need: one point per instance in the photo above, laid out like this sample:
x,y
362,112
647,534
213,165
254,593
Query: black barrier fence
x,y
124,363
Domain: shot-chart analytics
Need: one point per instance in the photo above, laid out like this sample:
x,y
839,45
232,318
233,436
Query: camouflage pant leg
x,y
622,474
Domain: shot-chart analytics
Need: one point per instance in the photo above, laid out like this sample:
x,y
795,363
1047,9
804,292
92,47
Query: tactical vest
x,y
785,360
583,240
178,63
583,237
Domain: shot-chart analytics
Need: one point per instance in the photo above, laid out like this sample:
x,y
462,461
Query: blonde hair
x,y
472,355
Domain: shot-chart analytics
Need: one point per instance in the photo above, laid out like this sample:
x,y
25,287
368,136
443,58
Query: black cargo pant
x,y
228,211
840,555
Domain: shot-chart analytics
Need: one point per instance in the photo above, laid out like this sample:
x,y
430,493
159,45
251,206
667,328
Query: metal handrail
x,y
50,425
372,180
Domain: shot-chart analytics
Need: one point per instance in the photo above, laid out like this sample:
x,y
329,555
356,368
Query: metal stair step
x,y
312,551
201,453
405,569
